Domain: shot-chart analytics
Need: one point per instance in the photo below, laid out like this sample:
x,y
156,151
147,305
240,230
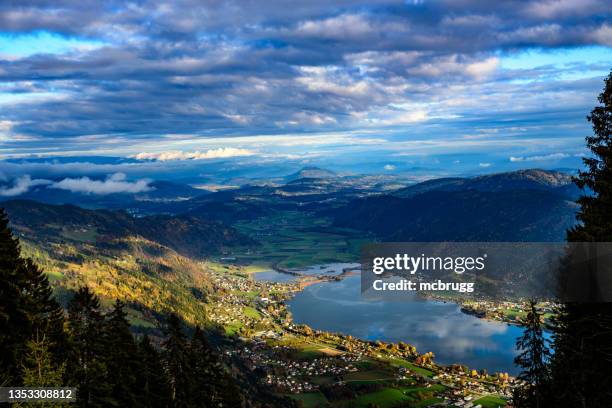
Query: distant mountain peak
x,y
311,172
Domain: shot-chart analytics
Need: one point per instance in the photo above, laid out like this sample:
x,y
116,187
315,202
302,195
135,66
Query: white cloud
x,y
222,152
484,165
22,185
552,156
115,183
389,167
340,27
482,69
603,35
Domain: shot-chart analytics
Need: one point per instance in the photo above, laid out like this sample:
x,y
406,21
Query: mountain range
x,y
528,205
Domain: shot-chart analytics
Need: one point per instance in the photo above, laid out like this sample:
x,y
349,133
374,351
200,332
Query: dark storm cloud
x,y
230,68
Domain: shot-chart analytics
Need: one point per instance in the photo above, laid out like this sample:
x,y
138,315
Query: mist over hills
x,y
525,205
82,192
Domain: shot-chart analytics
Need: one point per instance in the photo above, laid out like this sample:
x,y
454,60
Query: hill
x,y
186,234
531,205
311,172
530,179
155,264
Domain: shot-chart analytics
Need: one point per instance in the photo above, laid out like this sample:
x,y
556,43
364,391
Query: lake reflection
x,y
453,336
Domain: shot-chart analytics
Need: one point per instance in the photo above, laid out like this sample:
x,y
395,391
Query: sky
x,y
428,87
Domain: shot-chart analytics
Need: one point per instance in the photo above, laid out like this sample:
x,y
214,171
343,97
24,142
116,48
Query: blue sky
x,y
428,87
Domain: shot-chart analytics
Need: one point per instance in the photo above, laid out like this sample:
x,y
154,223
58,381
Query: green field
x,y
251,313
298,239
393,397
412,367
491,401
385,398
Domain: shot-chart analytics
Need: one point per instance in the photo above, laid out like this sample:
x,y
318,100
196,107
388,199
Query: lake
x,y
319,270
453,336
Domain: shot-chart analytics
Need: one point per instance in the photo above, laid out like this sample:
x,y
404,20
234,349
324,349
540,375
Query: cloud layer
x,y
220,153
115,183
136,73
22,185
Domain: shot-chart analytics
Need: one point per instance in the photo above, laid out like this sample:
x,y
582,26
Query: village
x,y
298,361
512,312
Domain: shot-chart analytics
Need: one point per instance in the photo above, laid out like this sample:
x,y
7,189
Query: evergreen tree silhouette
x,y
178,361
87,368
582,361
533,360
213,385
27,307
153,380
122,358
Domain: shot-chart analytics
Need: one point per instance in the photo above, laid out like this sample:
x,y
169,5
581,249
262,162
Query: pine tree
x,y
153,380
582,362
86,365
15,326
47,316
121,356
533,361
212,384
178,361
27,307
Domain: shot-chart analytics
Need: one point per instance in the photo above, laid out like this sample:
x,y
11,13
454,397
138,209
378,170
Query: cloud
x,y
115,183
22,185
485,165
483,68
389,167
220,153
552,156
244,68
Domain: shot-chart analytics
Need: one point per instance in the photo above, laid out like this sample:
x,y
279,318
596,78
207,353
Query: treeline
x,y
578,373
41,346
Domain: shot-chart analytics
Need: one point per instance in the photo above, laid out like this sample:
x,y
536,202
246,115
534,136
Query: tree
x,y
178,362
27,307
121,356
14,322
582,362
153,380
87,366
213,386
533,361
39,370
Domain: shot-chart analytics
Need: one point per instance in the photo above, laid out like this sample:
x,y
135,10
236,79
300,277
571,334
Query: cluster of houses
x,y
509,312
231,300
276,368
288,375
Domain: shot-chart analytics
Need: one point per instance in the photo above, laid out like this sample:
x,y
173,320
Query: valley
x,y
201,258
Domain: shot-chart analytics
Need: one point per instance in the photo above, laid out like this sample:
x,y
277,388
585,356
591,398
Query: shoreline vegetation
x,y
263,330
